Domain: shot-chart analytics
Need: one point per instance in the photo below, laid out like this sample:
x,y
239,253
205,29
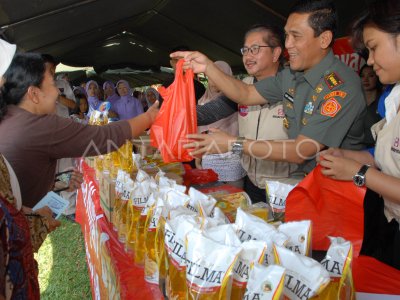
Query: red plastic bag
x,y
177,117
334,207
199,176
373,276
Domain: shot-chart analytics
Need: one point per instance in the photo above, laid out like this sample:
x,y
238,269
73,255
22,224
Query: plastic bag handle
x,y
187,75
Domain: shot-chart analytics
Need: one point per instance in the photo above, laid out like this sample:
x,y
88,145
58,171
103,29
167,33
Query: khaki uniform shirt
x,y
387,157
325,104
263,123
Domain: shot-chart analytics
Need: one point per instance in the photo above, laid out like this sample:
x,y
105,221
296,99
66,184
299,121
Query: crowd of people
x,y
277,123
84,99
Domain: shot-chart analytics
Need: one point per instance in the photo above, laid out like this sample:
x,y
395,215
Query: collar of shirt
x,y
392,103
314,75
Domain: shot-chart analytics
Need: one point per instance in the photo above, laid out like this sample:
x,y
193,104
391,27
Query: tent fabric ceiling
x,y
140,34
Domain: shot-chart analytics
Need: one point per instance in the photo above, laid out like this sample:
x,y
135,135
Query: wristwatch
x,y
237,146
359,178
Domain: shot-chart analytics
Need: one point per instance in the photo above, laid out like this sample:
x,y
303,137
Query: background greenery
x,y
63,272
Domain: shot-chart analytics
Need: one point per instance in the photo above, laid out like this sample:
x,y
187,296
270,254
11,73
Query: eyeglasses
x,y
253,49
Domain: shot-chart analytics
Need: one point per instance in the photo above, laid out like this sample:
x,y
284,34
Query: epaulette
x,y
332,80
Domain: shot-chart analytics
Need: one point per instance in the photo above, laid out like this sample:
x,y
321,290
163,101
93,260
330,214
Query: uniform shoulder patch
x,y
332,80
330,108
340,94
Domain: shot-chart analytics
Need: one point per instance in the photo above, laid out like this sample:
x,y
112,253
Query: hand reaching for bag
x,y
216,141
336,166
48,214
194,60
153,111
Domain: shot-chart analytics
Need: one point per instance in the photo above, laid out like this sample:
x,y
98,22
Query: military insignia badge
x,y
319,88
291,91
286,123
330,108
309,108
333,80
289,105
304,121
314,98
340,94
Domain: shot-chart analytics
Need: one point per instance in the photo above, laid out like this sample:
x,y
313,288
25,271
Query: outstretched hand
x,y
194,60
153,111
216,141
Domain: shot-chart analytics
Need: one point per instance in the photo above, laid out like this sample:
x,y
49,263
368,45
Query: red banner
x,y
112,272
344,51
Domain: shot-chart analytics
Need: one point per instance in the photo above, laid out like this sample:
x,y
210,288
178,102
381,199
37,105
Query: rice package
x,y
338,263
265,283
151,270
305,277
253,252
158,206
175,234
136,221
277,193
299,234
223,234
250,227
209,267
201,203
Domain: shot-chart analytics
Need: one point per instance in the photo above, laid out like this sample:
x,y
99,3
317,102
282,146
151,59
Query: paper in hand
x,y
56,203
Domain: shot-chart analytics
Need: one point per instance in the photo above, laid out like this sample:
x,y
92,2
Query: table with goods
x,y
156,230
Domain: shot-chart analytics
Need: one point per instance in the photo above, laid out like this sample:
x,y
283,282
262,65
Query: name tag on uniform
x,y
288,97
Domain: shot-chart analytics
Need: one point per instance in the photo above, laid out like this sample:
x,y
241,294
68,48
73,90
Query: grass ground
x,y
63,272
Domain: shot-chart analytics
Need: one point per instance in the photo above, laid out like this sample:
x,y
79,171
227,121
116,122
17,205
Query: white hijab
x,y
7,52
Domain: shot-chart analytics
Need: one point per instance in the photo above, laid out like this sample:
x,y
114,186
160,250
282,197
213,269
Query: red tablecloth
x,y
111,269
336,209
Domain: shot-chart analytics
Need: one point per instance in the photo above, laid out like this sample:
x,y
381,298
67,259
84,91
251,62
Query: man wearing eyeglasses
x,y
323,100
262,57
